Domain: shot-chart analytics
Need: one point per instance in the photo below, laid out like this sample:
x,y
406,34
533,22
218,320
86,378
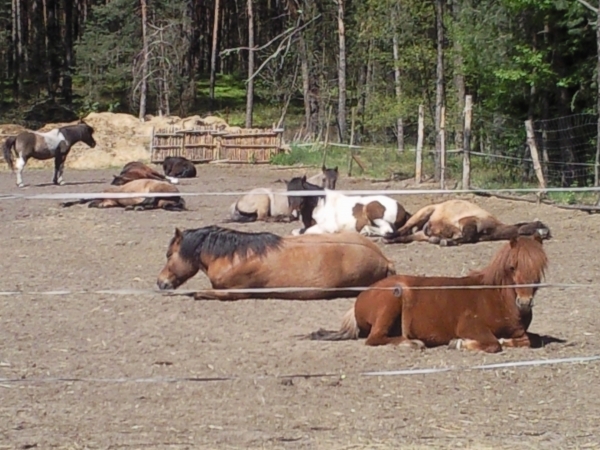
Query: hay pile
x,y
120,138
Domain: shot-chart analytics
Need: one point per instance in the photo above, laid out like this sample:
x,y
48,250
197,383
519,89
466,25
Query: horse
x,y
456,222
178,167
326,179
262,204
55,143
304,205
141,186
487,310
240,260
375,215
136,170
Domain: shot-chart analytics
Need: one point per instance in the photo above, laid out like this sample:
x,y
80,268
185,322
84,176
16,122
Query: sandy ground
x,y
114,342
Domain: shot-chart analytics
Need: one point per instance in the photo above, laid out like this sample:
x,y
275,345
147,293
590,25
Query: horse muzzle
x,y
164,285
524,303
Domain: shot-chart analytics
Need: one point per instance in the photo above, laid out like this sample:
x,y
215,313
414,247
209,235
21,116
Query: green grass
x,y
386,163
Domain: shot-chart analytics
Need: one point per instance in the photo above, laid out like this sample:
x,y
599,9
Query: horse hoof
x,y
414,344
21,185
455,344
296,232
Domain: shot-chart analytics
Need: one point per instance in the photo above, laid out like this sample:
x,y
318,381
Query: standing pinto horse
x,y
487,310
55,143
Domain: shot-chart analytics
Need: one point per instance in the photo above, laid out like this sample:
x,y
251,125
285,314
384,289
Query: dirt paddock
x,y
118,349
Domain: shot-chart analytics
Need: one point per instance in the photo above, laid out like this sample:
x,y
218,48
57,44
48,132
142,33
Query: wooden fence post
x,y
535,157
466,175
419,151
351,150
443,149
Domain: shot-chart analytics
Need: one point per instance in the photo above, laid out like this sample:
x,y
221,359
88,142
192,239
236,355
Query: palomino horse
x,y
461,222
370,215
262,204
142,186
178,167
486,310
136,170
55,144
238,260
326,179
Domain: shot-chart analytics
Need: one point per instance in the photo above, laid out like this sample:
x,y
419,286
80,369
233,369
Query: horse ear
x,y
304,179
178,234
335,169
513,242
323,168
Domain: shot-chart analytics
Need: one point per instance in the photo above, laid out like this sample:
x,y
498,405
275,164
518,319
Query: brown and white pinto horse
x,y
456,222
486,310
239,260
137,170
55,144
142,186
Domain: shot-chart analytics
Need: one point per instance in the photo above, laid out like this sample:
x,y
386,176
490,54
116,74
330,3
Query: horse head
x,y
525,262
330,177
180,265
86,134
120,180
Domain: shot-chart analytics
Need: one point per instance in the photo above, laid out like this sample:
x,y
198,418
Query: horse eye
x,y
512,268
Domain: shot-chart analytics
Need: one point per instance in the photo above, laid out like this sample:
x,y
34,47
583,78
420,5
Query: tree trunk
x,y
250,87
67,81
439,86
144,81
213,57
597,166
459,80
341,73
397,85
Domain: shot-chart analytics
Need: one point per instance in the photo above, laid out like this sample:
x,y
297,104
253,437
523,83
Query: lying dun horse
x,y
461,222
375,215
238,260
396,311
55,144
262,204
136,170
143,186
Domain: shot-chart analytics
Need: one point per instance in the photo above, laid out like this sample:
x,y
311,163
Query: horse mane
x,y
526,253
77,130
226,243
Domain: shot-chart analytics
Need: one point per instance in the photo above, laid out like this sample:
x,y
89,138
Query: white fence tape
x,y
426,371
187,292
102,195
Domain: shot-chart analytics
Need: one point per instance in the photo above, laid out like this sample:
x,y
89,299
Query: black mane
x,y
78,132
305,204
225,242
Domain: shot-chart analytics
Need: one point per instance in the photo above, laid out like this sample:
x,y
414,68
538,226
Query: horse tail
x,y
391,269
77,202
240,216
7,151
348,331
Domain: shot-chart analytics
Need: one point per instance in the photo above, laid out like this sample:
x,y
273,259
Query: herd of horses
x,y
335,253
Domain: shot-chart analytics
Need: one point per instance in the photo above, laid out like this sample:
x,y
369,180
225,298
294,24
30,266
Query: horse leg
x,y
19,166
59,166
103,203
379,334
528,340
474,335
222,296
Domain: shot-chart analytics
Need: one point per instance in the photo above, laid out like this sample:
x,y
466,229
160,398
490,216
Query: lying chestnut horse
x,y
239,260
143,186
482,311
455,222
136,170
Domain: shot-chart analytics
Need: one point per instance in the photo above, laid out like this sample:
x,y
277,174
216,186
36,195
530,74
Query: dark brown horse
x,y
142,186
136,170
455,222
326,179
55,144
487,310
178,167
239,260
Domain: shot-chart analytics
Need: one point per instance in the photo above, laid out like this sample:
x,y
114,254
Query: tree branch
x,y
588,6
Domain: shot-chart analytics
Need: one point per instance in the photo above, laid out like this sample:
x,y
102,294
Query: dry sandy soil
x,y
110,343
